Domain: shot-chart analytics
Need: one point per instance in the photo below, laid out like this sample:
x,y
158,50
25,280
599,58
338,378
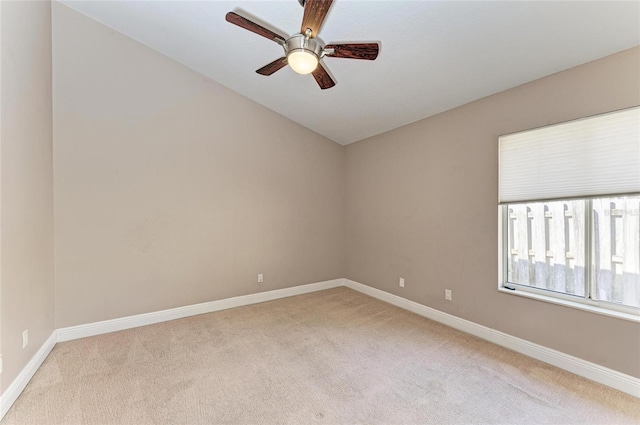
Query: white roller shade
x,y
594,156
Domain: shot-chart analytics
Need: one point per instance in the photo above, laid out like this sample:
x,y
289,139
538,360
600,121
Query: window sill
x,y
580,306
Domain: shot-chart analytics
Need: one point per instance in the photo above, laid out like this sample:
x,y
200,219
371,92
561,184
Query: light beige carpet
x,y
331,357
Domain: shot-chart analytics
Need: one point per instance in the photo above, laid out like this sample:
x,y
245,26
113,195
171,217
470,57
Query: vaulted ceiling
x,y
435,55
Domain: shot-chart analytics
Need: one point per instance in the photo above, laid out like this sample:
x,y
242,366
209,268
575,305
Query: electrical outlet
x,y
260,278
447,294
401,283
25,338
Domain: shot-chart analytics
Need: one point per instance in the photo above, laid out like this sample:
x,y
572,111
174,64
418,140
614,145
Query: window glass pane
x,y
546,245
616,250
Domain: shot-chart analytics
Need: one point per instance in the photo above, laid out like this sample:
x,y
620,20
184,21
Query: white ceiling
x,y
435,55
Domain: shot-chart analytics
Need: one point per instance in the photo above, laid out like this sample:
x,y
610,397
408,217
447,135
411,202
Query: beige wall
x,y
422,204
173,190
26,185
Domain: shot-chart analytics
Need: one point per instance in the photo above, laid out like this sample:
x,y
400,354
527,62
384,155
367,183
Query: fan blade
x,y
242,22
322,77
368,51
273,66
314,13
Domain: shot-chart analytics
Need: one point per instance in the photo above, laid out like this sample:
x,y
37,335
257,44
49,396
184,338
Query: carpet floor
x,y
330,357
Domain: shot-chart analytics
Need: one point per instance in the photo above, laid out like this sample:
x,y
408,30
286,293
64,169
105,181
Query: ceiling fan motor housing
x,y
300,43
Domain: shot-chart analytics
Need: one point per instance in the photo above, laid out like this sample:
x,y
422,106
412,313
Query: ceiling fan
x,y
303,51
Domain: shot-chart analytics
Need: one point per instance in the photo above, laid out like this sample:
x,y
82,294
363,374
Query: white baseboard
x,y
17,386
620,381
106,326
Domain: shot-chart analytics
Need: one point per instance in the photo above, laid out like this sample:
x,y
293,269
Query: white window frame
x,y
585,303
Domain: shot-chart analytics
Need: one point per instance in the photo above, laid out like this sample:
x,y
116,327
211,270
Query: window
x,y
570,213
589,248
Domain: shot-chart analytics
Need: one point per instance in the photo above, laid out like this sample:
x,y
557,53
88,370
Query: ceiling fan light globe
x,y
302,61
